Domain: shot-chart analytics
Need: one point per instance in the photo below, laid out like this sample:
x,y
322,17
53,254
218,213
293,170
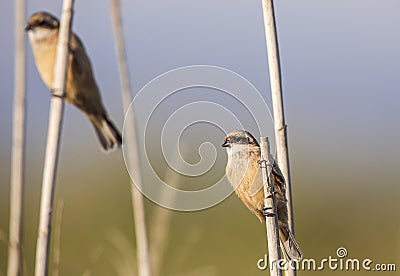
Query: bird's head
x,y
41,24
239,138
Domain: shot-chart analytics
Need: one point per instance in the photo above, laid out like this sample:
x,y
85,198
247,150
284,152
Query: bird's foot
x,y
57,93
266,211
264,163
271,195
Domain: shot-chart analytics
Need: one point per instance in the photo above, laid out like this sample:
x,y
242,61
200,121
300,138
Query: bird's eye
x,y
228,140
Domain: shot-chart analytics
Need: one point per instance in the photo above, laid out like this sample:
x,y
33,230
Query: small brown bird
x,y
245,176
81,87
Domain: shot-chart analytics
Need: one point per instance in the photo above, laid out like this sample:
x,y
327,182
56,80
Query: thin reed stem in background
x,y
161,221
14,266
277,106
53,140
57,237
130,144
271,222
162,216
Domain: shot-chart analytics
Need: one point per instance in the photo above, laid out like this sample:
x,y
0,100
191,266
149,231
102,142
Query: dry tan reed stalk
x,y
130,143
53,140
14,265
277,105
271,222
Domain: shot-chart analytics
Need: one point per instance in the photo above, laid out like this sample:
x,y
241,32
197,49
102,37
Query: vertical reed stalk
x,y
14,266
162,216
271,221
130,143
57,237
53,140
277,104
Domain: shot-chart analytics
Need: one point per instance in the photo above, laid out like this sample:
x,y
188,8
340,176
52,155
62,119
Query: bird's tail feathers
x,y
289,245
108,134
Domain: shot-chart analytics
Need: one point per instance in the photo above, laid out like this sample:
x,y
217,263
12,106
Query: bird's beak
x,y
225,144
28,27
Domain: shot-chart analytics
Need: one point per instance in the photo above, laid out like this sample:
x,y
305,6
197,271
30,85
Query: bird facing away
x,y
245,176
81,88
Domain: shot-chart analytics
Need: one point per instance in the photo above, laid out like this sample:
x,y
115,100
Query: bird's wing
x,y
80,61
278,178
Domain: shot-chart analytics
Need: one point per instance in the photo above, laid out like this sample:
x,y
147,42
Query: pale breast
x,y
45,54
45,58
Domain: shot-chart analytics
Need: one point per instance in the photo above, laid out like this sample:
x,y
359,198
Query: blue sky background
x,y
339,60
340,66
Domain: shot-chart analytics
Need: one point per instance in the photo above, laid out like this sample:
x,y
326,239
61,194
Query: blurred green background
x,y
340,66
